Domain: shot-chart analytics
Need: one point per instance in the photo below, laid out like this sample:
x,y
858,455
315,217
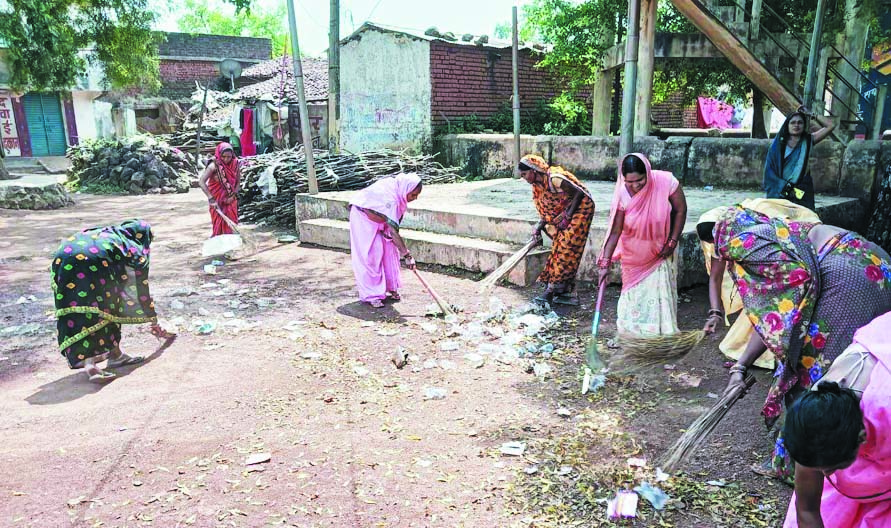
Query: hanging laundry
x,y
248,148
712,113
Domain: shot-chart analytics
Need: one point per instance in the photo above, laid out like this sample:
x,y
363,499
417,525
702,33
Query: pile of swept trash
x,y
135,165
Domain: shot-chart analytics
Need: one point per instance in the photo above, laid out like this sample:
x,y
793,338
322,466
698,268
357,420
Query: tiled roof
x,y
466,39
270,85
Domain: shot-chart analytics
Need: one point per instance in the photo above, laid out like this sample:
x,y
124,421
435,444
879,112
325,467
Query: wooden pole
x,y
632,42
334,78
515,52
810,81
200,124
313,184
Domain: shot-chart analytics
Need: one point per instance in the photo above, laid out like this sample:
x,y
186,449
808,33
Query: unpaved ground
x,y
353,443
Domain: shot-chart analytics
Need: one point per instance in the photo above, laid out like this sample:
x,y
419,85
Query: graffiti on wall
x,y
11,145
382,120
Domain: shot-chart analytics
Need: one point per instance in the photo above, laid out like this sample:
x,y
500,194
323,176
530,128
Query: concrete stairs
x,y
434,232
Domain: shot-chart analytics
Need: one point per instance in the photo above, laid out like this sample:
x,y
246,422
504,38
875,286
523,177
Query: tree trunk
x,y
759,128
4,172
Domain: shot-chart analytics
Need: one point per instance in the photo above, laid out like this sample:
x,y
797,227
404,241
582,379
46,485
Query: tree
x,y
51,42
226,18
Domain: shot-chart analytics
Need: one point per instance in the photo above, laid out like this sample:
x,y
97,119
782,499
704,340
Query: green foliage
x,y
578,32
221,17
46,40
563,116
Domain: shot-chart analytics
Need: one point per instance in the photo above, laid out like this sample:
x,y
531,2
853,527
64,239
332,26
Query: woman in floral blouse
x,y
806,288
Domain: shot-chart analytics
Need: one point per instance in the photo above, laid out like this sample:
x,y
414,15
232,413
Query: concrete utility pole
x,y
813,58
301,96
516,98
334,78
632,41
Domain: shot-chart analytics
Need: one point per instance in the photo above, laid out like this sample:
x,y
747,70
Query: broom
x,y
593,362
250,243
491,279
703,426
655,350
444,306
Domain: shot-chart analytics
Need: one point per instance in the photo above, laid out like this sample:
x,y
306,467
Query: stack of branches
x,y
334,172
186,140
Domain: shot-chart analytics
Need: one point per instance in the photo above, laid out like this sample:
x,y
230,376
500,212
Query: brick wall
x,y
671,113
216,46
477,80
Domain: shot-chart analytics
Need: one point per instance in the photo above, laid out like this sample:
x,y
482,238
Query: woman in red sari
x,y
220,183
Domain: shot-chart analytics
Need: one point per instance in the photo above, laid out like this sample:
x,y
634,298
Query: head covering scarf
x,y
388,196
229,171
534,162
647,222
776,172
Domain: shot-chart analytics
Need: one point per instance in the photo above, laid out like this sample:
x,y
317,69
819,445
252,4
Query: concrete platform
x,y
472,254
501,214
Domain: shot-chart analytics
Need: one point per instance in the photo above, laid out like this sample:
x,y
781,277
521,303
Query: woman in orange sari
x,y
566,209
220,183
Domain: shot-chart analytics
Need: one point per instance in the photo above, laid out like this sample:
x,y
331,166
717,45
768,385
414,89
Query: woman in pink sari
x,y
375,245
220,183
839,434
646,219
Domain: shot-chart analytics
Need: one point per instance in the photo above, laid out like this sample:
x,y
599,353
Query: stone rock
x,y
53,196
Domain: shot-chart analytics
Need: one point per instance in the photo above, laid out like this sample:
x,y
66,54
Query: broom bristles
x,y
505,267
654,350
703,426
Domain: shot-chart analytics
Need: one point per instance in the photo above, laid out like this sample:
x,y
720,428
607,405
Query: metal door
x,y
43,113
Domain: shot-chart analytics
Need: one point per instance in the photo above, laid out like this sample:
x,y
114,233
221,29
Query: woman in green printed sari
x,y
100,281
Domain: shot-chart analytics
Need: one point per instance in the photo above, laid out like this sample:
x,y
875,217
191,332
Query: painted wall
x,y
385,92
84,115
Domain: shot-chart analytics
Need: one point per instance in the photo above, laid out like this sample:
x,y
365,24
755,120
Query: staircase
x,y
776,63
439,228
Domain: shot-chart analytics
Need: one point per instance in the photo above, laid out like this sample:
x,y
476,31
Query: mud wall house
x,y
35,124
398,85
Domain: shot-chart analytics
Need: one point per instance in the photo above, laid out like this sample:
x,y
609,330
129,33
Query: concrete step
x,y
24,165
471,254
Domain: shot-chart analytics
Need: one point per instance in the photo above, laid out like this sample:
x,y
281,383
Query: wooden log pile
x,y
334,172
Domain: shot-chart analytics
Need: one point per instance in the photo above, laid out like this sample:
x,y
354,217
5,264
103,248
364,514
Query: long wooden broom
x,y
444,306
703,426
501,271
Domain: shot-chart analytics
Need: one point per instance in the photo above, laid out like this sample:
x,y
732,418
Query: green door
x,y
43,112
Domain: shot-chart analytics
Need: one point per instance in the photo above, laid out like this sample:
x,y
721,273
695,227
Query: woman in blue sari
x,y
786,171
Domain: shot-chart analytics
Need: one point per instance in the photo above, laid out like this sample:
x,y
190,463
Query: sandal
x,y
394,295
101,376
764,469
376,303
124,361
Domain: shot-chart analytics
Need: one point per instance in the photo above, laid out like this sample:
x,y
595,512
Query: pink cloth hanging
x,y
863,495
247,133
711,113
647,222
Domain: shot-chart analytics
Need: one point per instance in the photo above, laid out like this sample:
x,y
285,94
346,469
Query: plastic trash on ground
x,y
513,448
623,505
653,495
434,393
221,244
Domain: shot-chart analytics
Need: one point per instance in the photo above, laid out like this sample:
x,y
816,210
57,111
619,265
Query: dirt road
x,y
297,370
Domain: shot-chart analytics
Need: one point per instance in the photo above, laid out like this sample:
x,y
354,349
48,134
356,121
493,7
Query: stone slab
x,y
470,254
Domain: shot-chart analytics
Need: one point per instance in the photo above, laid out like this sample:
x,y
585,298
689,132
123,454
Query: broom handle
x,y
226,219
595,323
445,307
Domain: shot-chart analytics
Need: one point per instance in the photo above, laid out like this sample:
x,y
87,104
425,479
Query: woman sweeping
x,y
646,219
566,209
100,281
806,288
734,343
839,435
786,171
375,245
220,184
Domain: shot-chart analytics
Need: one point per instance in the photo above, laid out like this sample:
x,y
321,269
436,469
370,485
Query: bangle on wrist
x,y
738,369
715,313
671,242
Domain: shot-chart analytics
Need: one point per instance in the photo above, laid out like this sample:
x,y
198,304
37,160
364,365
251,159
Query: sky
x,y
458,16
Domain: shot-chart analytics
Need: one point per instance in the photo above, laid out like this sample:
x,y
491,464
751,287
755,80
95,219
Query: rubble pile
x,y
138,165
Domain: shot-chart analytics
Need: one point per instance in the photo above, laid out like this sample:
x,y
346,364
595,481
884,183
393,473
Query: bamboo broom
x,y
703,426
501,271
250,243
446,308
